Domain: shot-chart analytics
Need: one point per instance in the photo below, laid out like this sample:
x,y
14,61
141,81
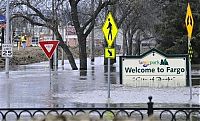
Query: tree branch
x,y
95,14
33,8
74,14
28,19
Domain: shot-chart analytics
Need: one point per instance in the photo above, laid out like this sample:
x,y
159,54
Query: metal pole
x,y
108,78
55,57
190,76
92,34
92,46
62,57
7,35
67,34
50,71
63,36
54,38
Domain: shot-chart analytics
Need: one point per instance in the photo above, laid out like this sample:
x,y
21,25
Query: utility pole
x,y
92,34
55,58
7,34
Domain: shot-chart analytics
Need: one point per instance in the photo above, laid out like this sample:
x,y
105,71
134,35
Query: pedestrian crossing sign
x,y
110,29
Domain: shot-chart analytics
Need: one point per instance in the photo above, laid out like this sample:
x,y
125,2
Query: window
x,y
35,41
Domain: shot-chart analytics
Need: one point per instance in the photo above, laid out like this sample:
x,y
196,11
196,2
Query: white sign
x,y
153,69
7,50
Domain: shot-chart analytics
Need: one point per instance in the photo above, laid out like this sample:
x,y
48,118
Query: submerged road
x,y
31,86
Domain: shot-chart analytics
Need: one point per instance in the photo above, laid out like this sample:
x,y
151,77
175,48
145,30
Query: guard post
x,y
150,106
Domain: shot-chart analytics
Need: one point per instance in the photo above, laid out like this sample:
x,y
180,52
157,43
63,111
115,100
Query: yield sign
x,y
49,47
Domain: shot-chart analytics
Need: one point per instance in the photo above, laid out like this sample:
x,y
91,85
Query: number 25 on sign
x,y
7,50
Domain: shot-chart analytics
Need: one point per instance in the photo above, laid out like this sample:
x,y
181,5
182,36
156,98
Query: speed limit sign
x,y
7,50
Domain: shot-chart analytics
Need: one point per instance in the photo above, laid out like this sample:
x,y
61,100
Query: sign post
x,y
7,34
189,22
49,47
110,31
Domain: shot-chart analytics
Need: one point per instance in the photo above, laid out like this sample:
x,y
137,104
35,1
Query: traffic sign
x,y
189,22
7,50
110,29
2,19
49,47
110,53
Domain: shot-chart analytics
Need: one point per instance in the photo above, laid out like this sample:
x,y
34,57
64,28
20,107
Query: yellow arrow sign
x,y
189,22
110,53
110,29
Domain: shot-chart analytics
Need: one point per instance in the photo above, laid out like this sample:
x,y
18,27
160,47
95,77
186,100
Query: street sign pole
x,y
50,71
49,48
190,75
7,35
189,22
110,31
108,78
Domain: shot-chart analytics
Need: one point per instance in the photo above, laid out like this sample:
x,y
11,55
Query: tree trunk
x,y
130,43
92,34
137,46
124,43
66,50
69,55
82,52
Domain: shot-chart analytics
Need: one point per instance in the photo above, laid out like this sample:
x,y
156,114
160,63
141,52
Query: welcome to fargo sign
x,y
153,68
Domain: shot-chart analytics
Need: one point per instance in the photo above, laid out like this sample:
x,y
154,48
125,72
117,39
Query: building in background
x,y
71,39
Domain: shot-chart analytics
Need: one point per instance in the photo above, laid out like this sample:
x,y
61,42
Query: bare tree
x,y
43,13
142,18
84,27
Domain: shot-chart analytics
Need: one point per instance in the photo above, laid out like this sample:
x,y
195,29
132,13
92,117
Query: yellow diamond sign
x,y
189,22
110,29
110,53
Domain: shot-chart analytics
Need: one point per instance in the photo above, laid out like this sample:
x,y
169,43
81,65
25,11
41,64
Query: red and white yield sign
x,y
49,47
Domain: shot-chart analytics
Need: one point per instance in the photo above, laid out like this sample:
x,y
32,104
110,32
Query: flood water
x,y
32,86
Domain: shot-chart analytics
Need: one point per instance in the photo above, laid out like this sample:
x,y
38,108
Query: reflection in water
x,y
83,72
30,87
83,75
113,76
93,72
55,87
8,90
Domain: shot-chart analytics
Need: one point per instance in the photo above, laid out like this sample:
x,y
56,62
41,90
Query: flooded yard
x,y
31,86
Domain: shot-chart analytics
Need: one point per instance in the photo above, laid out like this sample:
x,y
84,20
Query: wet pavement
x,y
31,86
